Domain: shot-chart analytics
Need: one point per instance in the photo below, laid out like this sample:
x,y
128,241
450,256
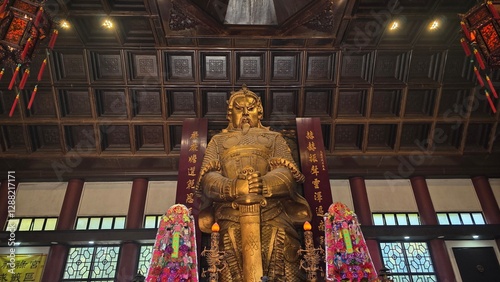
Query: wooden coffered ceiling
x,y
392,103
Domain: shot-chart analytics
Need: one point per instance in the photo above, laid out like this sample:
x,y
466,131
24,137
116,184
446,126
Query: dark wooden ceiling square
x,y
348,136
182,102
318,102
85,4
80,138
386,102
414,136
454,102
92,32
458,69
69,66
356,67
175,137
13,138
442,35
391,67
426,68
75,103
143,67
149,137
363,32
284,103
405,34
320,66
447,136
285,66
250,66
115,137
45,137
381,136
146,102
351,103
420,102
43,105
107,66
179,66
480,106
215,67
111,102
215,102
478,136
136,31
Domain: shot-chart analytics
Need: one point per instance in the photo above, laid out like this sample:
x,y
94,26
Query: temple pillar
x,y
129,253
487,199
364,214
54,267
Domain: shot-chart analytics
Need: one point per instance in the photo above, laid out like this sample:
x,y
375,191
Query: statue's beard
x,y
245,127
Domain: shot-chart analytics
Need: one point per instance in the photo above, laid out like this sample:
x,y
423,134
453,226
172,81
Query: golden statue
x,y
248,181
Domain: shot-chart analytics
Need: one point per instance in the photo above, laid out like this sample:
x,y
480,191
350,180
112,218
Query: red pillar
x,y
56,259
4,199
129,253
364,214
439,254
487,199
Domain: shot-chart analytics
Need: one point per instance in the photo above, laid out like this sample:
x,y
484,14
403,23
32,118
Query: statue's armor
x,y
229,157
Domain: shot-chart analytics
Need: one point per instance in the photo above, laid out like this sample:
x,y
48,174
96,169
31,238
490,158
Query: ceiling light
x,y
65,24
407,237
475,236
107,23
434,25
91,242
394,25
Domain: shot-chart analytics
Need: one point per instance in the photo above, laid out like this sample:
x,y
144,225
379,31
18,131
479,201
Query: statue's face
x,y
245,111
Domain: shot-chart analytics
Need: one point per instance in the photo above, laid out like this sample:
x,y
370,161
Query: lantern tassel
x,y
493,10
465,46
465,29
33,94
16,100
478,76
24,79
493,108
26,48
4,5
14,76
492,88
479,59
42,69
1,73
53,38
38,16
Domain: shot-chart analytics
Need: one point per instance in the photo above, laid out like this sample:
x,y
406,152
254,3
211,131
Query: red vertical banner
x,y
193,145
314,167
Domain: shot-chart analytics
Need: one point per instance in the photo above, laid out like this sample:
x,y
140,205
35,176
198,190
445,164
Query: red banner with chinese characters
x,y
314,167
193,145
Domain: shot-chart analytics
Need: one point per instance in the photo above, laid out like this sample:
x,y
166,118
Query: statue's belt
x,y
269,212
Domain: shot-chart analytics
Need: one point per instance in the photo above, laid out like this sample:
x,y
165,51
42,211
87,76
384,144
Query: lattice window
x,y
31,224
460,218
408,261
396,219
152,221
100,222
144,259
96,263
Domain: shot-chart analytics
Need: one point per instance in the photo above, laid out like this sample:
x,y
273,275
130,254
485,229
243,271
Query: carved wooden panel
x,y
348,136
285,66
215,66
478,136
414,136
43,105
45,137
111,103
175,137
179,66
420,102
80,138
115,137
250,66
146,102
135,30
13,136
107,66
75,103
356,67
454,103
149,137
182,102
143,67
317,102
284,103
68,66
425,68
351,103
320,67
386,102
215,102
391,67
447,136
381,136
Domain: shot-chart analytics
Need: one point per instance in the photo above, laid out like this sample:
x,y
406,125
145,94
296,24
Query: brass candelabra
x,y
215,258
311,255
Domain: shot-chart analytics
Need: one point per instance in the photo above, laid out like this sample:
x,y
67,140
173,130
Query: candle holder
x,y
311,255
215,258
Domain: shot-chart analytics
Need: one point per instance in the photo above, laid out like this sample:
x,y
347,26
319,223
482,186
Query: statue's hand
x,y
255,183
